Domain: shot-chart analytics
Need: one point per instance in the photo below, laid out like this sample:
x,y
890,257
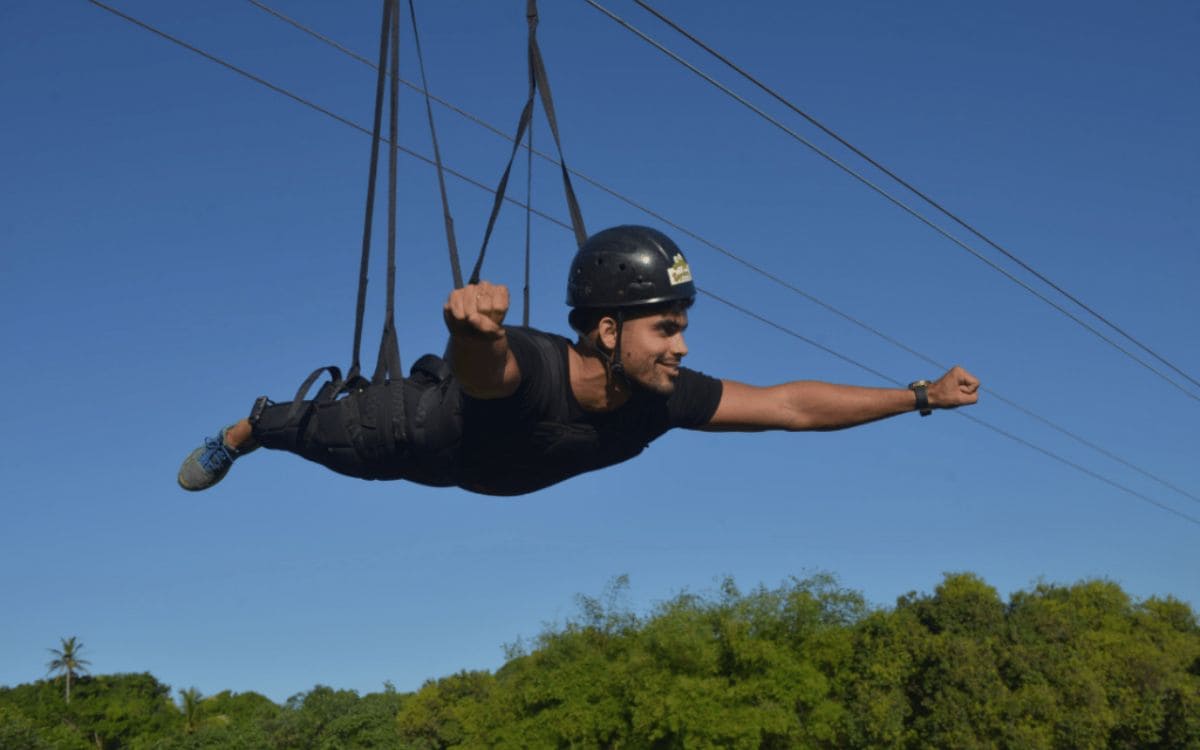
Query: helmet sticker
x,y
679,273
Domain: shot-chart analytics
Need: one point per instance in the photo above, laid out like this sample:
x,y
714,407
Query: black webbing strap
x,y
528,219
528,222
538,84
455,267
617,366
355,368
526,112
543,85
388,363
329,390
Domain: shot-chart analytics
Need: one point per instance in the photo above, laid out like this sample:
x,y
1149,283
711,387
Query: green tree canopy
x,y
807,664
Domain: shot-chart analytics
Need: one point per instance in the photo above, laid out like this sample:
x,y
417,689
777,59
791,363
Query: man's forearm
x,y
813,405
824,406
479,364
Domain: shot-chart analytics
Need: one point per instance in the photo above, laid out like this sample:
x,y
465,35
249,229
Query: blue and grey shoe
x,y
209,463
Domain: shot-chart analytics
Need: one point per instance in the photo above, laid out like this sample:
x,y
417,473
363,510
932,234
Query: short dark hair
x,y
585,319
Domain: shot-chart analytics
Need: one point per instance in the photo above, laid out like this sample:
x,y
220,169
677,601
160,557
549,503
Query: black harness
x,y
414,429
400,429
392,427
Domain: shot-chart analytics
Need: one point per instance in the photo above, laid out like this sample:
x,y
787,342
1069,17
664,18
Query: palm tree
x,y
67,662
190,702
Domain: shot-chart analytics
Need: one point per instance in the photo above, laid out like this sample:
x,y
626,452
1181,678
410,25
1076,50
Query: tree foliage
x,y
804,665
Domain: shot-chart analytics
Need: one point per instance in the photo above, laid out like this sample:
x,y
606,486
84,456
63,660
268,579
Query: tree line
x,y
807,664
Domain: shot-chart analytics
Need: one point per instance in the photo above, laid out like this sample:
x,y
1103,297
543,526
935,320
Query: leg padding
x,y
371,433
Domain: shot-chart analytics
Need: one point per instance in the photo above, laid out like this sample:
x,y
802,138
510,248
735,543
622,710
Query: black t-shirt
x,y
540,435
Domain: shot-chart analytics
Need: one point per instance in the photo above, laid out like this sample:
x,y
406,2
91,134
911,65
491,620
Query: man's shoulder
x,y
534,348
541,357
530,333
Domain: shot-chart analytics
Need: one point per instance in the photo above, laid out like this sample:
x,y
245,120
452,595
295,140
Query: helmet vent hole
x,y
621,266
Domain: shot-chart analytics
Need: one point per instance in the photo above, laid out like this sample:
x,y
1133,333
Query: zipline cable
x,y
733,256
1029,444
925,197
891,198
314,106
567,226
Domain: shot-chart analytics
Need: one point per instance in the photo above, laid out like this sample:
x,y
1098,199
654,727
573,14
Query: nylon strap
x,y
538,84
355,367
543,85
455,267
526,112
388,363
335,376
528,221
618,367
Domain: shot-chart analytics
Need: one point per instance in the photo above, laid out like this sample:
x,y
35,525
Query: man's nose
x,y
680,346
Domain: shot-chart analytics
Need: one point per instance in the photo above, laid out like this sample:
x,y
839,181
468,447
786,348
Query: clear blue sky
x,y
176,240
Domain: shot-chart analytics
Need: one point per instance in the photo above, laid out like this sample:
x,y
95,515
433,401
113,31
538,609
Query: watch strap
x,y
921,389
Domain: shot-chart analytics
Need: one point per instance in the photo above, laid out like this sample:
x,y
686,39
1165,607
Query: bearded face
x,y
652,348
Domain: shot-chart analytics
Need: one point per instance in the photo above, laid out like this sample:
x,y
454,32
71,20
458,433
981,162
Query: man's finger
x,y
483,323
488,300
457,306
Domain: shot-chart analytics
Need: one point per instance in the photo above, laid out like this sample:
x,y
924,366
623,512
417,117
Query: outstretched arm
x,y
812,405
479,352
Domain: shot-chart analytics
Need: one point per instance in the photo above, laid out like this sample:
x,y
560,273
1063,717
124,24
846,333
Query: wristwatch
x,y
921,388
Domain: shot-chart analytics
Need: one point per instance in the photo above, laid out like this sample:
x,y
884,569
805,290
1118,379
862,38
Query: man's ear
x,y
606,333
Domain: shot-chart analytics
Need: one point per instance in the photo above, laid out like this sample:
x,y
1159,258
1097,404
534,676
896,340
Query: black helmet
x,y
628,266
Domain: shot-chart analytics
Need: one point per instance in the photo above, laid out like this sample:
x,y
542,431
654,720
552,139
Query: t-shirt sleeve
x,y
538,390
694,401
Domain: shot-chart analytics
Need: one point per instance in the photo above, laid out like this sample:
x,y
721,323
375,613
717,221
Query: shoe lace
x,y
216,456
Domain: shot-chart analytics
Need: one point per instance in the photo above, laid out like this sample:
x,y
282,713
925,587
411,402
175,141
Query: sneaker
x,y
209,463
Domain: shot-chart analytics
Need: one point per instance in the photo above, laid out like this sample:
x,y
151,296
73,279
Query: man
x,y
518,409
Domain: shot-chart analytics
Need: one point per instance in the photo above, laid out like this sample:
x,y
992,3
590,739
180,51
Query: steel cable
x,y
925,197
983,423
737,258
745,311
891,198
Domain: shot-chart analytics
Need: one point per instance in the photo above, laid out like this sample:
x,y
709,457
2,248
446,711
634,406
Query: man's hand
x,y
479,350
956,388
477,311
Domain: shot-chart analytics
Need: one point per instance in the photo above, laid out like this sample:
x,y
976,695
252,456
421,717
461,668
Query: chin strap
x,y
615,364
613,361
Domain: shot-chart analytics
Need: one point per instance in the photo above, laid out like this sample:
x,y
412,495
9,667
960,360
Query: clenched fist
x,y
956,388
477,311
